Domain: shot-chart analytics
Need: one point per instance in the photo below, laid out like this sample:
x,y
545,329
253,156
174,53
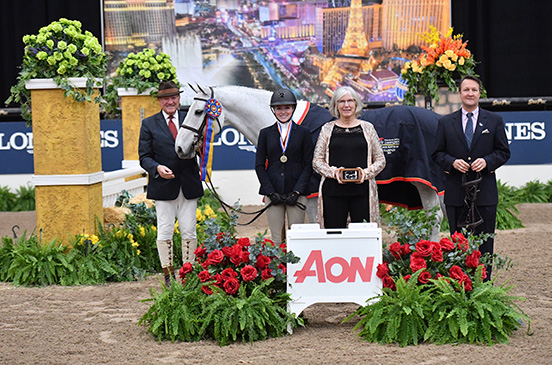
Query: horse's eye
x,y
198,112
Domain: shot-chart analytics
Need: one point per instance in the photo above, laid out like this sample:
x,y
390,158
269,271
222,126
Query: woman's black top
x,y
348,148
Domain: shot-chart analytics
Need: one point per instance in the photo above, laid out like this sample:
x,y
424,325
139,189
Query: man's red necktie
x,y
172,126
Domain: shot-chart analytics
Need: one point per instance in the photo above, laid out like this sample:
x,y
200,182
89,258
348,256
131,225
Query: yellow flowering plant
x,y
60,51
143,70
446,59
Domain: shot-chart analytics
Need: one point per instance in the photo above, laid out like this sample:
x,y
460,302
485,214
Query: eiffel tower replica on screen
x,y
354,56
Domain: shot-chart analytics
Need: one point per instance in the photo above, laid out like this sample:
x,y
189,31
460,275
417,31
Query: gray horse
x,y
410,178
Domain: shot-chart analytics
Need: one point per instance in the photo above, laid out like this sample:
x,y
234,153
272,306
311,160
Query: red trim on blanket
x,y
302,117
410,179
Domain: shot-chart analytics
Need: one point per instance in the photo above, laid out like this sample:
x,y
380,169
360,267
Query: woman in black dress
x,y
343,145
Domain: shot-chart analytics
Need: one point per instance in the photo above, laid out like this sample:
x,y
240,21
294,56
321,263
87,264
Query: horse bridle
x,y
199,135
199,131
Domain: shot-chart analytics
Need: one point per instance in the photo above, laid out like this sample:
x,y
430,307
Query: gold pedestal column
x,y
67,162
135,107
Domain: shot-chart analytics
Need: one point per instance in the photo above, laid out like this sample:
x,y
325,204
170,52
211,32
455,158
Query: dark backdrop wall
x,y
510,38
20,17
512,41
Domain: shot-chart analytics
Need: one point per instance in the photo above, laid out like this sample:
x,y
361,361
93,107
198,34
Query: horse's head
x,y
194,128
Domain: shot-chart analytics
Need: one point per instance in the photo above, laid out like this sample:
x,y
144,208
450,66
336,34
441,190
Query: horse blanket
x,y
407,134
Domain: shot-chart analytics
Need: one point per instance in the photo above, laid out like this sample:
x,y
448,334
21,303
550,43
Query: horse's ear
x,y
192,87
200,89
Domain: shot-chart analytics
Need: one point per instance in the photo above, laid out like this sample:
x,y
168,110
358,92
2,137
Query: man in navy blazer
x,y
174,183
458,157
283,163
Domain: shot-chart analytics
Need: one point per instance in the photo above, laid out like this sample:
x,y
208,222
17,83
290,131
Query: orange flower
x,y
441,56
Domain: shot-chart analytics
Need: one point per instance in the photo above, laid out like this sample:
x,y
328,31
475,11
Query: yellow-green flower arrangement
x,y
446,58
143,70
60,50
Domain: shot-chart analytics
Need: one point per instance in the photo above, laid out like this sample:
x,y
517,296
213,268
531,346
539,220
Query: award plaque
x,y
351,175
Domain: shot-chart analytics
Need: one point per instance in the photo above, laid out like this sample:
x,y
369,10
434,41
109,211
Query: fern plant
x,y
396,316
90,262
6,257
533,192
486,315
122,251
25,200
7,199
186,313
250,317
506,209
175,313
35,263
548,190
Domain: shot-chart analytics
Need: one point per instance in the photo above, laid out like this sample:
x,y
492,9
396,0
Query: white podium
x,y
336,265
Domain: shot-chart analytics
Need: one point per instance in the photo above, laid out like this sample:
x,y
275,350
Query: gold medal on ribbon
x,y
284,141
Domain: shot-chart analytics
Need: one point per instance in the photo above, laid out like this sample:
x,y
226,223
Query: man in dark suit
x,y
174,183
283,163
469,142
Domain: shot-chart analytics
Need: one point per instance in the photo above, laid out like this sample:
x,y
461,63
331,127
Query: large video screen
x,y
312,46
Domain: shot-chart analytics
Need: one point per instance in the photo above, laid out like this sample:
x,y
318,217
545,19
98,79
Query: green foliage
x,y
22,200
25,200
121,251
409,226
114,256
30,262
534,192
7,199
6,257
186,313
33,263
217,300
548,189
251,317
396,316
486,315
506,208
208,199
143,70
442,313
140,214
146,237
141,223
90,262
176,312
59,51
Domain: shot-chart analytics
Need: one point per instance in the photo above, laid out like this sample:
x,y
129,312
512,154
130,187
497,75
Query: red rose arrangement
x,y
455,258
229,263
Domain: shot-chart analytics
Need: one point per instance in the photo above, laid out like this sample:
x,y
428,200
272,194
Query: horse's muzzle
x,y
185,155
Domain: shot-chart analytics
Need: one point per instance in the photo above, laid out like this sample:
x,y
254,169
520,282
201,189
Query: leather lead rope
x,y
226,206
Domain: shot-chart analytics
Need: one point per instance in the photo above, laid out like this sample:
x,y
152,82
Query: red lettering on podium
x,y
323,270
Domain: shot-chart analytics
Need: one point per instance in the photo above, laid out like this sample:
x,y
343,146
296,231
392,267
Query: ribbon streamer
x,y
213,110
